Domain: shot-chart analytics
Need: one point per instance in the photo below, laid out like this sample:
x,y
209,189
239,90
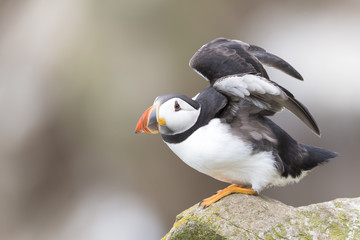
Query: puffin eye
x,y
177,106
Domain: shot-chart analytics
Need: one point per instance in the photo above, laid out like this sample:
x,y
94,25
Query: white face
x,y
179,116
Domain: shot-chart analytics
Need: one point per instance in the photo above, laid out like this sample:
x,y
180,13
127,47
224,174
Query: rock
x,y
239,216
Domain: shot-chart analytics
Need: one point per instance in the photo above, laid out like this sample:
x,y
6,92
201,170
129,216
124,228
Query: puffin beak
x,y
148,121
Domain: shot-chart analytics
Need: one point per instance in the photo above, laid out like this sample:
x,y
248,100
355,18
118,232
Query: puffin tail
x,y
316,156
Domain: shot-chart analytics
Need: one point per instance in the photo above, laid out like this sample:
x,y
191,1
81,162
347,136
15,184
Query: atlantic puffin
x,y
225,131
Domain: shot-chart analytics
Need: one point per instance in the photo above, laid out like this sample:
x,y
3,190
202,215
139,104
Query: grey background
x,y
75,76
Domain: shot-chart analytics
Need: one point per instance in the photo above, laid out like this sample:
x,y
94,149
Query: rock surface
x,y
241,216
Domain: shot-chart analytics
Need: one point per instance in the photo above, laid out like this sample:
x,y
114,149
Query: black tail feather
x,y
316,156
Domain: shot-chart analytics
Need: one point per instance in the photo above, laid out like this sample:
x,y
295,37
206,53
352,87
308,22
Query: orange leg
x,y
234,188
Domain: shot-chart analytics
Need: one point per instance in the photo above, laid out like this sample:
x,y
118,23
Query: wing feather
x,y
272,60
264,96
224,57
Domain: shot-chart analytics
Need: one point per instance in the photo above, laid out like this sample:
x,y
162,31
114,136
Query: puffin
x,y
225,131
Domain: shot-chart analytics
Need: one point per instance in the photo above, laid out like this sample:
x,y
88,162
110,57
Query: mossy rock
x,y
241,216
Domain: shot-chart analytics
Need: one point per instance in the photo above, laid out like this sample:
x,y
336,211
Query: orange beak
x,y
148,122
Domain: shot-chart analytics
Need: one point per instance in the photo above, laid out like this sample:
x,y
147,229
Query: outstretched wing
x,y
223,57
261,96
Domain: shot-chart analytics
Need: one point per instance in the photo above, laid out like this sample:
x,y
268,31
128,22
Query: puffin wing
x,y
223,57
274,61
261,96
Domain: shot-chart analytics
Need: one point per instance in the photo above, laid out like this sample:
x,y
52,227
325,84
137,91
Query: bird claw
x,y
234,188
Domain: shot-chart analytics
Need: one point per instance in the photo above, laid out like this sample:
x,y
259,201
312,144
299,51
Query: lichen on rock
x,y
241,216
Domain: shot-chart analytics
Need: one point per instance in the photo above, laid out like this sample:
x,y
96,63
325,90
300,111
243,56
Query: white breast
x,y
214,151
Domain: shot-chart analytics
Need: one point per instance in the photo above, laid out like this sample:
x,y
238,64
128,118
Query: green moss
x,y
335,227
189,225
277,232
338,205
197,232
309,221
339,228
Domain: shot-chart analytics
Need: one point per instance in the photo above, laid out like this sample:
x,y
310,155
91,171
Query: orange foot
x,y
234,188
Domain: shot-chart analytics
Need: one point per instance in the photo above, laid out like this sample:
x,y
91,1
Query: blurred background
x,y
75,76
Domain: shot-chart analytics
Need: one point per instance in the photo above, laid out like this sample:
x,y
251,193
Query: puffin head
x,y
170,114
